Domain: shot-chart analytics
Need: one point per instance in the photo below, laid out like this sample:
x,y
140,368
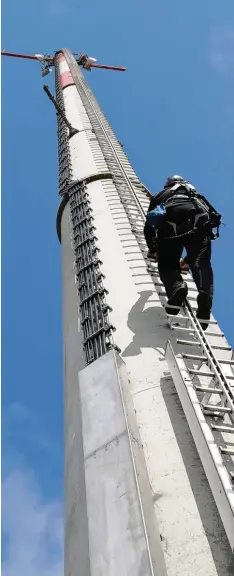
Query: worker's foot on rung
x,y
177,299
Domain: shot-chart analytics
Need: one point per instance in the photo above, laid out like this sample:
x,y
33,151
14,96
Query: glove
x,y
184,266
215,219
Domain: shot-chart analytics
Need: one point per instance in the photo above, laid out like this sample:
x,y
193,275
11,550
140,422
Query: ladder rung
x,y
160,293
220,335
229,451
152,270
195,357
214,408
174,327
192,290
209,390
205,359
221,428
201,373
215,414
188,280
194,343
178,317
164,294
217,347
171,306
207,321
193,298
230,362
229,377
188,343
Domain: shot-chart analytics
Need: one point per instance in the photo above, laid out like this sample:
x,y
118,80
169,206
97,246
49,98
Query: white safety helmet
x,y
173,179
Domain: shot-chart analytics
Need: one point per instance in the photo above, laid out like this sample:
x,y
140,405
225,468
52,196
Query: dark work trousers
x,y
198,247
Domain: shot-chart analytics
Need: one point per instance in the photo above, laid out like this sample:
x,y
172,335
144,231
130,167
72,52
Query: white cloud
x,y
19,426
222,50
32,529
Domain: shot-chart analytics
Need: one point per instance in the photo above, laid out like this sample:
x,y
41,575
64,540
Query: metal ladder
x,y
202,371
204,381
205,386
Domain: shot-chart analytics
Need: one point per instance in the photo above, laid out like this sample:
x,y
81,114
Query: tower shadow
x,y
149,326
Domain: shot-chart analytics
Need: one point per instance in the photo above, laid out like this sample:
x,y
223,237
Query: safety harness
x,y
205,214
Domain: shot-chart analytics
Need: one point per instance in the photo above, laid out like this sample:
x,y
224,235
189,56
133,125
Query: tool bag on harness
x,y
156,217
183,213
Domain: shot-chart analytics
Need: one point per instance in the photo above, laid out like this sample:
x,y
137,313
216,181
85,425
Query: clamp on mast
x,y
47,60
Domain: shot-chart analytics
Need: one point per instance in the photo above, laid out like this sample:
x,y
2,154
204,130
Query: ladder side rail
x,y
216,472
214,364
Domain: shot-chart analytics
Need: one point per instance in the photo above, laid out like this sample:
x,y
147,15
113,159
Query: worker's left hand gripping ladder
x,y
204,379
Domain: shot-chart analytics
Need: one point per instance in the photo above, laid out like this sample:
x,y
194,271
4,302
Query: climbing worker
x,y
178,217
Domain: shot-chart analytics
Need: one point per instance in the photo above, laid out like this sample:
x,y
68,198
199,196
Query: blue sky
x,y
173,110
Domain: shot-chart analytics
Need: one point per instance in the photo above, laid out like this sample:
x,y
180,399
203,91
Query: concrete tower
x,y
148,401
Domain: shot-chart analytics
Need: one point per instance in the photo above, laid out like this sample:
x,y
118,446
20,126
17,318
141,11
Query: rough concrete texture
x,y
76,522
118,529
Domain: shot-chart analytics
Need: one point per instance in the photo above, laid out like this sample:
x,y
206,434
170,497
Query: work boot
x,y
177,298
204,302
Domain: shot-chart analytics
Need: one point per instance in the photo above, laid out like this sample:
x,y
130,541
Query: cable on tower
x,y
72,131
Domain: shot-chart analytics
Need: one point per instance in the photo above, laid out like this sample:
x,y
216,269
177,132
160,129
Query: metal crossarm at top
x,y
49,60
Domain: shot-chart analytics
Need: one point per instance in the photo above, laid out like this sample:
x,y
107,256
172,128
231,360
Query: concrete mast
x,y
137,501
